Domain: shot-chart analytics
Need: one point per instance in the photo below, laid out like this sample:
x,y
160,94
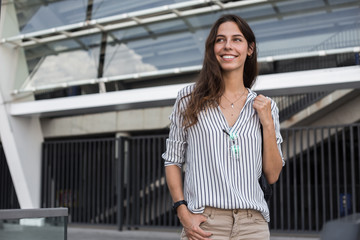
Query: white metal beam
x,y
21,137
309,81
176,71
272,84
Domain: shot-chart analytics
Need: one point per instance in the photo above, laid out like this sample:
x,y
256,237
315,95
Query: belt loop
x,y
212,212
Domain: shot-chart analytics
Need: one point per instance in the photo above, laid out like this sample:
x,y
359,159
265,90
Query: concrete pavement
x,y
88,233
113,234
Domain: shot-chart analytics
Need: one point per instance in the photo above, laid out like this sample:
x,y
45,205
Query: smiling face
x,y
231,47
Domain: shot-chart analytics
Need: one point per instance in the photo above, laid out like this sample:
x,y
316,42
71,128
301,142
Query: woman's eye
x,y
219,40
237,40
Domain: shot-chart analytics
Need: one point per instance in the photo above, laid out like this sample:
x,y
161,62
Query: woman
x,y
227,135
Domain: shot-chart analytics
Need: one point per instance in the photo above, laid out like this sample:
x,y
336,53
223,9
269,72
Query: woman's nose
x,y
228,44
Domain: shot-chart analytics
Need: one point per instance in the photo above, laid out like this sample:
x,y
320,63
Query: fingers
x,y
262,98
204,234
262,101
195,232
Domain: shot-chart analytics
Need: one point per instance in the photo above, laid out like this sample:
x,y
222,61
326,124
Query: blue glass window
x,y
63,61
106,8
35,15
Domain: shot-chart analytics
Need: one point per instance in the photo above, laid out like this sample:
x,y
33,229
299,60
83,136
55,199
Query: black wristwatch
x,y
178,203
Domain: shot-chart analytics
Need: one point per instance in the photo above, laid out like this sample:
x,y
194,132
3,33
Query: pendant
x,y
232,105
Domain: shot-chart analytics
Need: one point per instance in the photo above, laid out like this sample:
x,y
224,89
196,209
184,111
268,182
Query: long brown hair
x,y
210,85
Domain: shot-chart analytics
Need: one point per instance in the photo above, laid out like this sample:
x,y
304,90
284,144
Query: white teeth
x,y
229,57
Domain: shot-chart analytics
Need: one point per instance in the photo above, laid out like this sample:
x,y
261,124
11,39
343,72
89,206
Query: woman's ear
x,y
251,49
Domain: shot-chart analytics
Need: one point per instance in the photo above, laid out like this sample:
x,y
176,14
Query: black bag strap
x,y
264,184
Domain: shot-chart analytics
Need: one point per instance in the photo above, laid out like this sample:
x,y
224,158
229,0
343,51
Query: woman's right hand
x,y
191,223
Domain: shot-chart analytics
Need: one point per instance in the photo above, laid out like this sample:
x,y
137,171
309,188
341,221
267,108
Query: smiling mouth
x,y
228,57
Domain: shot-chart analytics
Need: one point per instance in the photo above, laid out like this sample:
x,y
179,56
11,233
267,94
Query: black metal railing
x,y
8,198
309,63
81,175
146,200
122,181
320,181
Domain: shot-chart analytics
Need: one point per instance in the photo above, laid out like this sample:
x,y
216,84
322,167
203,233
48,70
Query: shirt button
x,y
235,211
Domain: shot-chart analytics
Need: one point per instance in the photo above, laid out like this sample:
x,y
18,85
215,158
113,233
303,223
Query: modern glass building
x,y
87,87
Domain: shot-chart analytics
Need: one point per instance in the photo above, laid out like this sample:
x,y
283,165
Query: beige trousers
x,y
239,224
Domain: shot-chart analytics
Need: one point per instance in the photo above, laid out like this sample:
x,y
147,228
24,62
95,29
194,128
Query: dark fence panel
x,y
320,181
81,175
8,198
147,201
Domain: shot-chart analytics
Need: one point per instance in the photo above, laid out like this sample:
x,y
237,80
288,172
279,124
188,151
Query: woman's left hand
x,y
262,105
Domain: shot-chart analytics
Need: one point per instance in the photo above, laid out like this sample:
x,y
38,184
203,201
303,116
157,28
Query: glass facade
x,y
36,15
64,61
281,27
106,8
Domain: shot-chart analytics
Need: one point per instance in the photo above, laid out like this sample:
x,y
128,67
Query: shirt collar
x,y
252,95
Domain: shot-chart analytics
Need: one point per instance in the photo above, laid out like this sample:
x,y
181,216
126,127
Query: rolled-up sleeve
x,y
176,142
275,116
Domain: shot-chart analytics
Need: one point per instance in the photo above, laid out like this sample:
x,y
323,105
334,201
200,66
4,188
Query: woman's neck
x,y
233,83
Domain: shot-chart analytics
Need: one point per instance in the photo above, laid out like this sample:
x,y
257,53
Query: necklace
x,y
232,103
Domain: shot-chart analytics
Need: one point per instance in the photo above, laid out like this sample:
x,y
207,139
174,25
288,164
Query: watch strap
x,y
178,203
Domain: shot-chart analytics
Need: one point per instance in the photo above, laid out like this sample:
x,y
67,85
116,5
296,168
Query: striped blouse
x,y
222,163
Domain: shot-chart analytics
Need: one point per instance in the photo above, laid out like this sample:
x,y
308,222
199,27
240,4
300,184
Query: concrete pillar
x,y
21,137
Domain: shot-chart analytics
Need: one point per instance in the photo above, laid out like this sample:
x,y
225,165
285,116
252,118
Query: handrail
x,y
33,213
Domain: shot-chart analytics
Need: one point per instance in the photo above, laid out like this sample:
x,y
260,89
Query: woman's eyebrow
x,y
235,35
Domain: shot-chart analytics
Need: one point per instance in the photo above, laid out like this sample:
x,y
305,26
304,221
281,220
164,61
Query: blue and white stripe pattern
x,y
214,176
